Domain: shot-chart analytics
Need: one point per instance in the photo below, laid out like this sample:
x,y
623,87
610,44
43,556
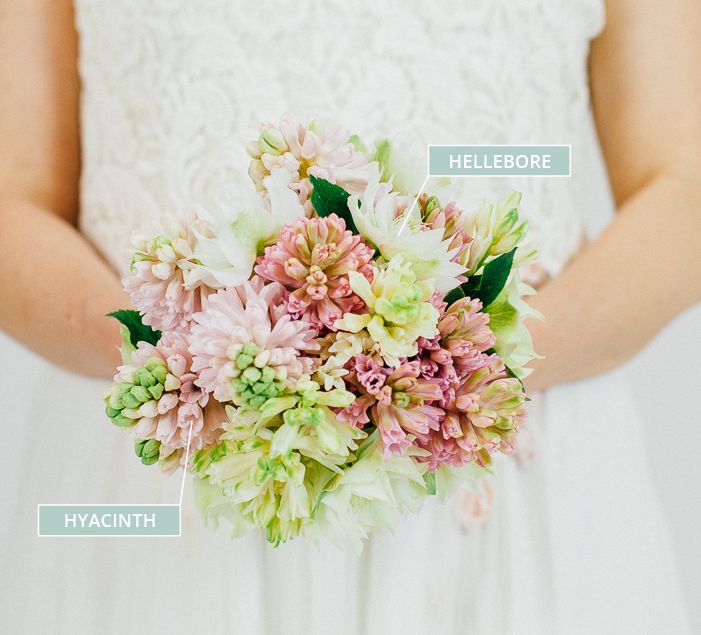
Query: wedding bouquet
x,y
327,350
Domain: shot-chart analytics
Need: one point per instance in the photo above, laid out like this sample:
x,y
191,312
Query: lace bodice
x,y
172,90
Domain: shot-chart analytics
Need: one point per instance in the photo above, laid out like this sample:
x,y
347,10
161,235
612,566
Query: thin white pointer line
x,y
187,458
406,217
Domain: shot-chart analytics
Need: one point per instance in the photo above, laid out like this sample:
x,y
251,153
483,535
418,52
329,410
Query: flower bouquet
x,y
327,350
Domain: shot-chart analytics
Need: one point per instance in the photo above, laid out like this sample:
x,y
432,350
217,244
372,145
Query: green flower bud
x,y
156,391
154,362
272,141
130,401
115,401
265,464
140,393
508,221
268,375
432,203
243,361
147,379
279,531
139,447
151,447
259,388
251,374
148,450
149,460
250,348
270,391
302,416
160,373
122,421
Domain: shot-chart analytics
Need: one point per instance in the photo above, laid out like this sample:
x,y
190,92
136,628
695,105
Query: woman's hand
x,y
55,288
646,266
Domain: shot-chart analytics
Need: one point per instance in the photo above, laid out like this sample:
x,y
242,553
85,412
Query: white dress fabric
x,y
575,542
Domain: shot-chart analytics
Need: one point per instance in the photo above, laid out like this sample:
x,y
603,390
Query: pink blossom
x,y
316,150
179,408
164,283
482,418
370,374
357,413
251,313
155,397
400,404
312,260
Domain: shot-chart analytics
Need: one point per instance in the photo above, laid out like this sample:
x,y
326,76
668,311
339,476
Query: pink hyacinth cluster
x,y
157,398
454,399
165,283
249,321
312,260
323,151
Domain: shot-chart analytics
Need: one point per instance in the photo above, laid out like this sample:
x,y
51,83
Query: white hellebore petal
x,y
230,239
507,315
379,217
374,493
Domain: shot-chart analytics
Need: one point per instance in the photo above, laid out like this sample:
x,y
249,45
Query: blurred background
x,y
666,376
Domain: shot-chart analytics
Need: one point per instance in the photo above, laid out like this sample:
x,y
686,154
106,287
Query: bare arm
x,y
646,266
55,288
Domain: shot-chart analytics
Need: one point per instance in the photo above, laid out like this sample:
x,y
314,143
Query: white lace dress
x,y
574,543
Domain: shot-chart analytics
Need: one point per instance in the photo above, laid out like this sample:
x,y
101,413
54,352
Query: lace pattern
x,y
172,90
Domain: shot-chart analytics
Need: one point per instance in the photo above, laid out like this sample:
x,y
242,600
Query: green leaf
x,y
454,295
138,331
489,285
329,198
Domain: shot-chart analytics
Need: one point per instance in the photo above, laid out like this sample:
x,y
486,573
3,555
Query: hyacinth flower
x,y
400,402
312,259
459,348
399,310
324,151
482,419
155,396
246,348
309,426
166,280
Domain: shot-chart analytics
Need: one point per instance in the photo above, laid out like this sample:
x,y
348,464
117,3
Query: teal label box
x,y
108,520
499,160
